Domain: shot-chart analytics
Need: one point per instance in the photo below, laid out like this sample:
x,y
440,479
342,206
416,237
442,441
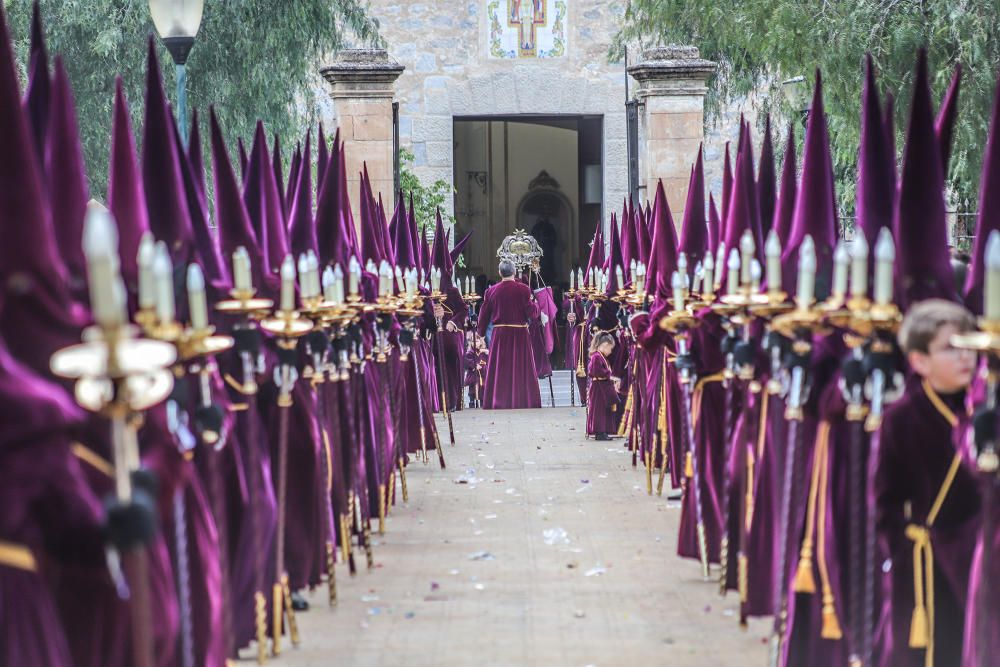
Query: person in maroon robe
x,y
603,408
926,500
476,359
511,380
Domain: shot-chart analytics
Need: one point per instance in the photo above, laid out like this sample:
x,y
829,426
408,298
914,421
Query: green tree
x,y
253,59
760,43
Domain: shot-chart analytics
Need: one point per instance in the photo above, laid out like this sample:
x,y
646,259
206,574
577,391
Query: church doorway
x,y
541,174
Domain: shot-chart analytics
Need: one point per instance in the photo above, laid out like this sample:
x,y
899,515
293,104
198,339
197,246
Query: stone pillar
x,y
361,85
671,96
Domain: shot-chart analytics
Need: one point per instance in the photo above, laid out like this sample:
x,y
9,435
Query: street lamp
x,y
796,93
177,22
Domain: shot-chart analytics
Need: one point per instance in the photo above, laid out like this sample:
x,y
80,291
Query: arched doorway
x,y
546,214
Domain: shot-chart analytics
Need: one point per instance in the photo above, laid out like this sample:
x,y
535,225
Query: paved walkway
x,y
534,547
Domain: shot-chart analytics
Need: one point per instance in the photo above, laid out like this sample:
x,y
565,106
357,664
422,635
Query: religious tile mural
x,y
527,28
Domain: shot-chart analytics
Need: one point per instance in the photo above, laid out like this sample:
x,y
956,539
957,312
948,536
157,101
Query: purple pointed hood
x,y
989,211
739,212
322,152
596,260
663,253
371,243
615,259
331,234
944,126
755,223
642,238
411,224
727,182
714,223
694,229
815,205
876,186
67,180
232,220
628,240
402,238
166,200
460,246
345,201
126,196
425,250
923,266
39,91
301,223
439,255
767,189
263,203
789,189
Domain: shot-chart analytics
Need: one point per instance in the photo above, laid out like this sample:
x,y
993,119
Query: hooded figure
x,y
449,349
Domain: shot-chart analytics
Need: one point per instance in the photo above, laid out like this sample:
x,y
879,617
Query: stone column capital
x,y
362,73
671,70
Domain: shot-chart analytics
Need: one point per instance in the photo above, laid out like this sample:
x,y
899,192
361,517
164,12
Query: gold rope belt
x,y
510,326
17,556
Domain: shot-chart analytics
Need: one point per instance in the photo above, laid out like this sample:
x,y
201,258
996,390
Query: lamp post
x,y
177,22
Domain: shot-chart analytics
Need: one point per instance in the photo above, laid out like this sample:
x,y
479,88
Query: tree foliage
x,y
252,59
760,43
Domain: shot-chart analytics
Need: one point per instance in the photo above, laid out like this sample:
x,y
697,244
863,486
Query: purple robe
x,y
603,409
453,345
511,379
917,448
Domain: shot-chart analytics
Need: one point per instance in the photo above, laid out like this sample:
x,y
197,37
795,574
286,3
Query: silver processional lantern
x,y
522,250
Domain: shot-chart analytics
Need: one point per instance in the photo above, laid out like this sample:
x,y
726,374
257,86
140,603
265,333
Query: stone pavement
x,y
534,547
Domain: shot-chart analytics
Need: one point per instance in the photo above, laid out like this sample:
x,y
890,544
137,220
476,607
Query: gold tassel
x,y
804,580
688,466
293,626
918,628
260,622
742,576
831,624
276,616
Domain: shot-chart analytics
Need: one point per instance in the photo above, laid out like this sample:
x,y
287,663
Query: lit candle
x,y
772,260
885,257
196,298
384,279
841,258
316,288
807,273
100,245
755,276
677,283
708,280
328,290
747,249
144,260
991,294
163,275
720,263
338,285
859,267
354,276
733,272
288,284
305,288
241,270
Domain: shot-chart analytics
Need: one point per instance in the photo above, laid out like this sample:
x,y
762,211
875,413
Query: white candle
x,y
579,278
163,274
632,270
991,293
755,276
144,260
708,280
400,284
885,257
384,279
370,267
328,289
682,265
305,288
807,273
677,283
197,306
411,282
100,246
315,287
772,260
354,276
288,284
859,267
747,249
338,285
619,277
841,258
242,280
696,278
720,263
733,272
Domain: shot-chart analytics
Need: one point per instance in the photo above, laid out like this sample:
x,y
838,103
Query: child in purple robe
x,y
476,358
603,401
926,500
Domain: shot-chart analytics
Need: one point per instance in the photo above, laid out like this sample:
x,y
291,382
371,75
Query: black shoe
x,y
601,436
299,603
